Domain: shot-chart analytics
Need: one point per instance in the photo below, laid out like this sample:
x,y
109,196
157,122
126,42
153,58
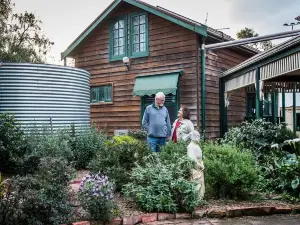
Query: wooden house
x,y
164,53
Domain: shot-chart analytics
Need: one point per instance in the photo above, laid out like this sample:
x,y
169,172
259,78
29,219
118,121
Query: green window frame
x,y
118,39
139,31
101,94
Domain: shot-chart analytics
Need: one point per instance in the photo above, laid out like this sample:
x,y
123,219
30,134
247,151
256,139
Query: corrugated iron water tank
x,y
45,95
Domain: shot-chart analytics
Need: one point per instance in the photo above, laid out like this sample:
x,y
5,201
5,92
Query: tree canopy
x,y
248,33
21,36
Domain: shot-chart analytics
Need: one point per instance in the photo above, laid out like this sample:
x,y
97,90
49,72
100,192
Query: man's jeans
x,y
156,142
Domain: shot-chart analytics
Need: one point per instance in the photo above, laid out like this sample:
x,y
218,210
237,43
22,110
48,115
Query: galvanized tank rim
x,y
43,65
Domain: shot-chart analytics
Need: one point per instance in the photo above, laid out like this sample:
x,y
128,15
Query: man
x,y
156,122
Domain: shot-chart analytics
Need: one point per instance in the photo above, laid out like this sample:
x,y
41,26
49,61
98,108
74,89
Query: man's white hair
x,y
160,95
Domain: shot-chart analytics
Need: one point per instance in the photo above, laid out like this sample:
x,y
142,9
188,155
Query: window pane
x,y
136,29
136,39
116,34
142,37
142,47
121,24
136,48
93,95
142,19
121,33
116,41
101,94
121,42
108,96
121,50
116,27
116,51
135,20
142,28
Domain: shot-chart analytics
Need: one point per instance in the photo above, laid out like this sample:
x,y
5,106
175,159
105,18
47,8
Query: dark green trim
x,y
196,28
294,108
146,52
180,72
257,108
223,109
111,39
264,62
141,110
283,104
85,33
200,29
273,104
203,91
178,94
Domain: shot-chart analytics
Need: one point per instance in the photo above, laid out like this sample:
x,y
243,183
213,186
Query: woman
x,y
182,126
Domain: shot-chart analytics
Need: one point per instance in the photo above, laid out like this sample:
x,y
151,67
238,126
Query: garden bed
x,y
129,208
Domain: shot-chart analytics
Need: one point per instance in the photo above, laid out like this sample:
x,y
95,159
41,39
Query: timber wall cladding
x,y
171,48
216,62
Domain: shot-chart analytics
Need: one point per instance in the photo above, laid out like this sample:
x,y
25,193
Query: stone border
x,y
198,214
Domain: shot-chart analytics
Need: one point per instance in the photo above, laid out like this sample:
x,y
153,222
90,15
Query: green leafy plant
x,y
282,171
117,161
138,134
257,136
56,144
41,198
229,173
13,144
86,145
156,187
96,195
118,140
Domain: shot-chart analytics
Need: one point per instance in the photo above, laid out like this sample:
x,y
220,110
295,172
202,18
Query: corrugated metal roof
x,y
263,55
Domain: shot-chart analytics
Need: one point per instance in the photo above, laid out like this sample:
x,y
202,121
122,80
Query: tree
x,y
21,38
248,33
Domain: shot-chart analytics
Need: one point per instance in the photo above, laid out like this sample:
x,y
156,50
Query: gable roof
x,y
158,11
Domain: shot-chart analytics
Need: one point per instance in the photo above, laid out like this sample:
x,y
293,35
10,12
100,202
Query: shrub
x,y
39,199
156,187
55,144
138,134
96,196
117,161
229,173
175,156
86,145
13,144
118,140
282,171
258,136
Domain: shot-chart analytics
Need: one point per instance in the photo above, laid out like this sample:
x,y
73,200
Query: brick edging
x,y
198,214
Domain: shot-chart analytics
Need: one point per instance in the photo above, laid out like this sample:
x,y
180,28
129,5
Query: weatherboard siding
x,y
171,48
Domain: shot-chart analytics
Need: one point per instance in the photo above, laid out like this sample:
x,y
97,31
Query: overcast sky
x,y
64,20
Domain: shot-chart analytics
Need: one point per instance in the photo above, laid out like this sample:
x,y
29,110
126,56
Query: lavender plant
x,y
96,194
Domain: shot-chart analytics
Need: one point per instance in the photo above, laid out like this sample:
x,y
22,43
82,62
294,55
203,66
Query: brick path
x,y
267,220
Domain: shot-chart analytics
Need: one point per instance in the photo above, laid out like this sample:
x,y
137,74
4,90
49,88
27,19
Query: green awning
x,y
151,84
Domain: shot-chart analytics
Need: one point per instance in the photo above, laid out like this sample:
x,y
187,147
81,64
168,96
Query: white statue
x,y
194,152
